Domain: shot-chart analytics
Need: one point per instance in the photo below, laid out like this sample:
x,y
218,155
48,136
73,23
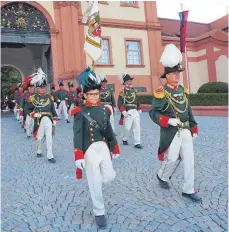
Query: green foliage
x,y
209,99
214,87
9,76
198,99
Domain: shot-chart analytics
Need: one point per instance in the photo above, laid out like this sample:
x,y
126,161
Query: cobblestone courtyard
x,y
40,196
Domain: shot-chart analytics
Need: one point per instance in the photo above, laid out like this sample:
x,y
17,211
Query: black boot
x,y
125,142
139,146
67,121
101,221
28,137
52,160
192,196
39,155
162,183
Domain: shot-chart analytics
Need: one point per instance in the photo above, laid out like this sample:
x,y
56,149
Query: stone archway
x,y
48,23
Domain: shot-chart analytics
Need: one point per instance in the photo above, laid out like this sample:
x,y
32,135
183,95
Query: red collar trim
x,y
172,86
90,104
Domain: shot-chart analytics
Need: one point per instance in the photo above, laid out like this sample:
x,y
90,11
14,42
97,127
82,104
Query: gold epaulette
x,y
51,97
31,98
186,90
159,93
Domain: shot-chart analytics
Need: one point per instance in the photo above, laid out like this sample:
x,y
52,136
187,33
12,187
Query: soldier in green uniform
x,y
15,99
107,98
62,101
171,110
53,94
44,114
130,109
92,135
72,99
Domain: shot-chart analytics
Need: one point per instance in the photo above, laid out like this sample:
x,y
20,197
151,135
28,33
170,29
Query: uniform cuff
x,y
78,154
139,108
116,149
163,121
122,109
194,130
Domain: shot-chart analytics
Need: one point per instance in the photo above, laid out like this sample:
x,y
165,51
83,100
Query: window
x,y
133,49
140,89
111,86
106,53
130,2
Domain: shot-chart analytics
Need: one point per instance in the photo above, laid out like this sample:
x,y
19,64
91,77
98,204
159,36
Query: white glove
x,y
194,136
80,164
58,100
115,109
125,114
115,156
174,122
139,111
54,122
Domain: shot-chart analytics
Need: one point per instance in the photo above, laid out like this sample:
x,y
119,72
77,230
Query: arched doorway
x,y
25,38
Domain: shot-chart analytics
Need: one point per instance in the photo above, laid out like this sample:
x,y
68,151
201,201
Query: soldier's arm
x,y
113,99
158,104
78,134
192,122
121,102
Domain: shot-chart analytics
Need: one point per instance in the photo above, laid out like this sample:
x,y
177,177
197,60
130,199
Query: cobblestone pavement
x,y
39,196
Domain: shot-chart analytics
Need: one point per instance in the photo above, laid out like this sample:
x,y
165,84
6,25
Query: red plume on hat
x,y
14,87
27,83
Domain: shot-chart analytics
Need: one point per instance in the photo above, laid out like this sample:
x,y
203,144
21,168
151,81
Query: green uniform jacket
x,y
85,134
107,97
127,100
44,106
162,111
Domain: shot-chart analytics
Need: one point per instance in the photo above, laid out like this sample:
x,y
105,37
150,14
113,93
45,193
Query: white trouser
x,y
57,110
45,129
63,107
181,145
29,123
69,113
15,111
99,170
133,119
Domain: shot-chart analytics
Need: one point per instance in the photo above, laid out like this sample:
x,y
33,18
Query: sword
x,y
175,169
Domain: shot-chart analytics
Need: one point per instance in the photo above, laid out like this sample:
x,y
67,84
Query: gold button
x,y
92,134
91,129
88,113
103,138
92,139
104,117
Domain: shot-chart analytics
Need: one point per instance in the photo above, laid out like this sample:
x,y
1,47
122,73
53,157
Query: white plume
x,y
39,77
171,56
121,76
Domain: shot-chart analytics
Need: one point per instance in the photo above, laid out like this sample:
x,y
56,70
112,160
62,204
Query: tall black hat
x,y
171,59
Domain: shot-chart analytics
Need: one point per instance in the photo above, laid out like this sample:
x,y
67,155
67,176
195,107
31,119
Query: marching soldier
x,y
17,94
171,110
72,99
93,135
107,98
15,99
62,101
53,94
44,114
130,109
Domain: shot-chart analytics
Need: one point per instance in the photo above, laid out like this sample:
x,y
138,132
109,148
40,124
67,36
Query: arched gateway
x,y
25,38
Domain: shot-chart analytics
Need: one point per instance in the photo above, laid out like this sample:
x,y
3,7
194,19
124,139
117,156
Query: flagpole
x,y
186,61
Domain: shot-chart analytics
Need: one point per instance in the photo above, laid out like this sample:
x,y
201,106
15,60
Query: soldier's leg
x,y
127,126
187,154
29,124
48,135
65,110
69,113
92,167
108,172
137,129
170,159
60,109
57,110
39,137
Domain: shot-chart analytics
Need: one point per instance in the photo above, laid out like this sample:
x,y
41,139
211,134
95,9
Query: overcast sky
x,y
204,11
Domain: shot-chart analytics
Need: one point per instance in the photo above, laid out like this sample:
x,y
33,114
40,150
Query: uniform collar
x,y
172,86
90,104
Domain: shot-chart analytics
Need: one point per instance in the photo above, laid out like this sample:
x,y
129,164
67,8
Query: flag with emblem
x,y
93,41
